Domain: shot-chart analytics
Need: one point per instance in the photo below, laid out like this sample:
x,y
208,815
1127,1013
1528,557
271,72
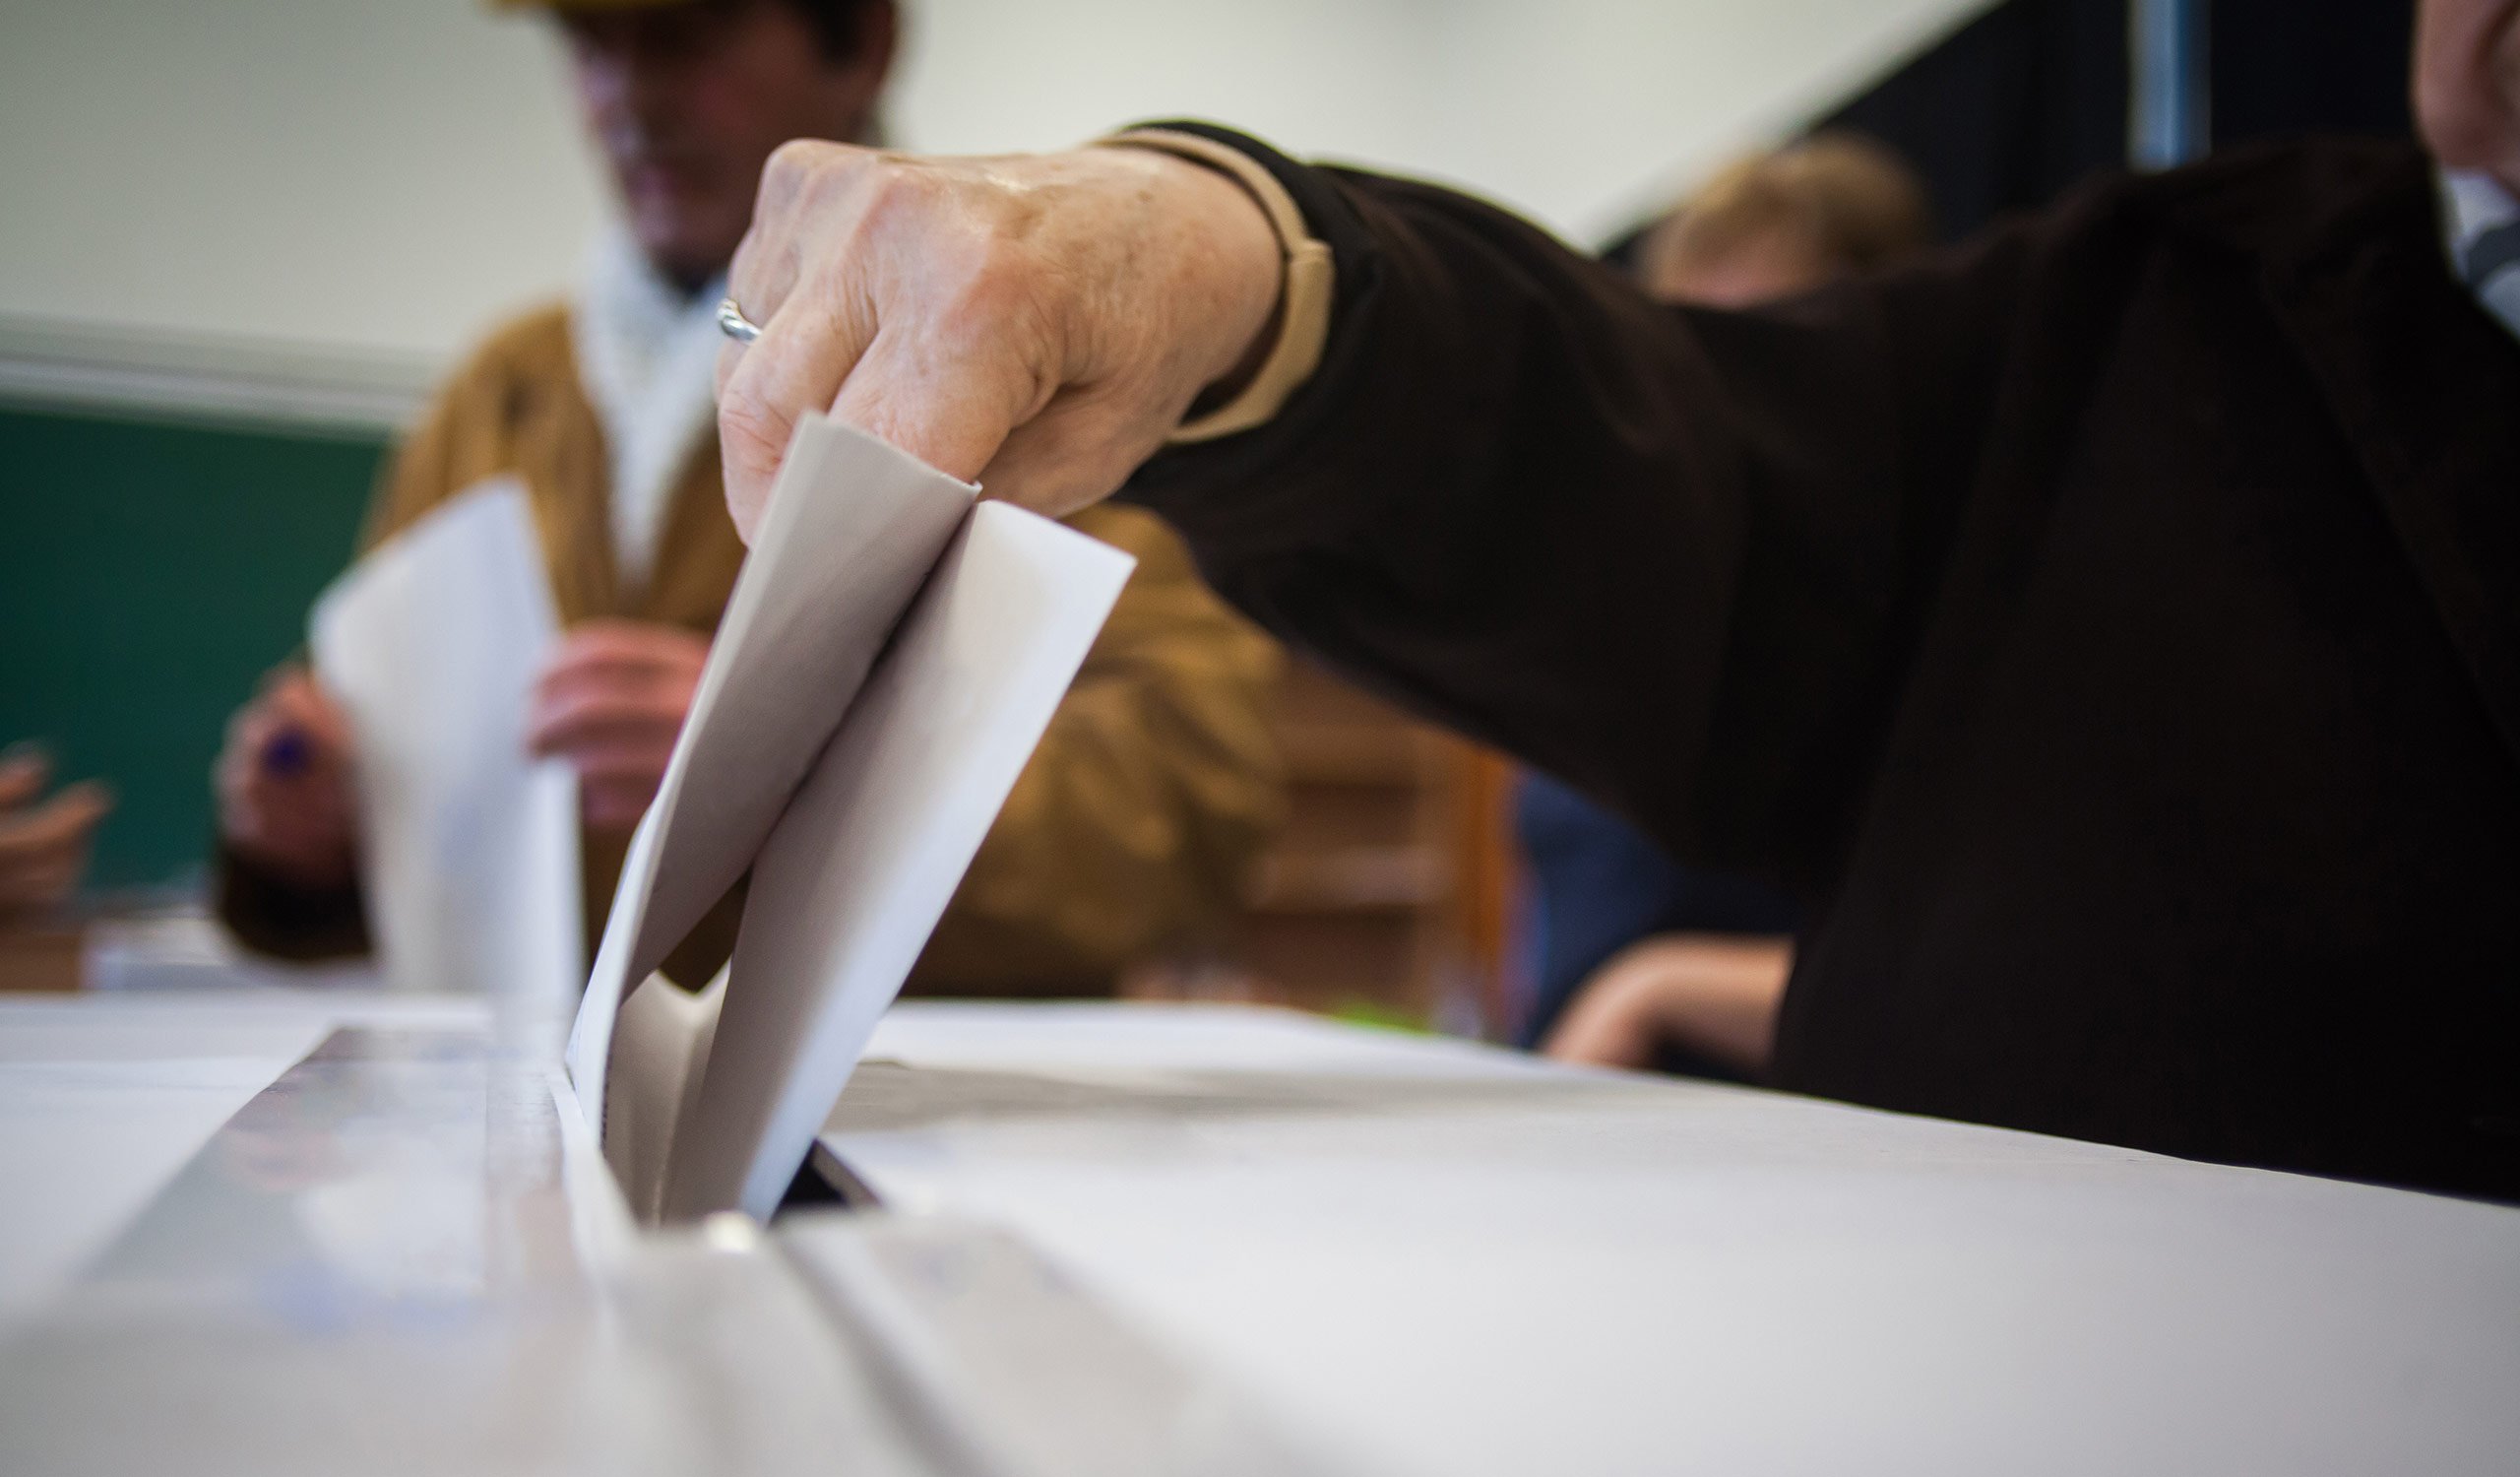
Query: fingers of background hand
x,y
613,689
231,774
285,810
625,651
595,709
297,701
1603,1027
60,825
289,702
301,817
616,681
614,804
24,770
246,776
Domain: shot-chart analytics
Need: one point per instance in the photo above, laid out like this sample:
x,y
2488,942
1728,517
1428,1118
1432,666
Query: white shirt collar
x,y
2481,226
648,358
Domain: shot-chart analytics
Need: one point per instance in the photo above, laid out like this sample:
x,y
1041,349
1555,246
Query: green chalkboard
x,y
150,571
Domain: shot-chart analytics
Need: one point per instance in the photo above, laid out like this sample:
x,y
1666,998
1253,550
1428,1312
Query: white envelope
x,y
890,658
431,644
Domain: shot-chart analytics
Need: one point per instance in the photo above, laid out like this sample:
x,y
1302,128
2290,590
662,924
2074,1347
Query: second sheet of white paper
x,y
855,780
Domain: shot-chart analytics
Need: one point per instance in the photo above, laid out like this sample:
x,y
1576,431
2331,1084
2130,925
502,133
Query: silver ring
x,y
734,324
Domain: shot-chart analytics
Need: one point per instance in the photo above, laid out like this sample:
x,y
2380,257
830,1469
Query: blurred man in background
x,y
1640,961
1134,824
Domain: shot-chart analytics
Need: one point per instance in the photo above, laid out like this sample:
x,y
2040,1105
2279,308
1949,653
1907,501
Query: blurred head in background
x,y
686,99
1778,223
2466,84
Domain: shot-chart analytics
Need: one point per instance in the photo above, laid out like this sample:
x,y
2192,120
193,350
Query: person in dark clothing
x,y
1599,887
2107,630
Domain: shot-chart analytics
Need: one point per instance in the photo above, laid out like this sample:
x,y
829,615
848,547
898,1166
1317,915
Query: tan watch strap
x,y
1304,298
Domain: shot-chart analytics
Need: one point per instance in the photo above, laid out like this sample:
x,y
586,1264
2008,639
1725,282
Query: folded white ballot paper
x,y
891,654
431,644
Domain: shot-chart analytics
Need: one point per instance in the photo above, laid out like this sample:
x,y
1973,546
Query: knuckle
x,y
793,164
893,186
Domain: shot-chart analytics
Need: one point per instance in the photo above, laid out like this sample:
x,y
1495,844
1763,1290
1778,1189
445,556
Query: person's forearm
x,y
1656,554
1676,560
1722,998
1492,502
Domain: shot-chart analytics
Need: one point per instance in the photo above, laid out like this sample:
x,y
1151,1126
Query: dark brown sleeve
x,y
270,917
1676,557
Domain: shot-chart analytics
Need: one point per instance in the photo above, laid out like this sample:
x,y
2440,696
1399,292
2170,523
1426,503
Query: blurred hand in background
x,y
283,782
1704,993
44,843
611,703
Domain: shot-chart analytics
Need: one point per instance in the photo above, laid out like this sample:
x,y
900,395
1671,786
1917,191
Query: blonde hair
x,y
1846,201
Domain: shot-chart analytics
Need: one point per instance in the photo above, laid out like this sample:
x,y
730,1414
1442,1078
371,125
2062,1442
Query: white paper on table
x,y
853,529
890,658
432,644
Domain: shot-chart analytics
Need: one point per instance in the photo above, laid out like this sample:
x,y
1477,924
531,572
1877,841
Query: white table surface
x,y
104,1098
1430,1258
1444,1259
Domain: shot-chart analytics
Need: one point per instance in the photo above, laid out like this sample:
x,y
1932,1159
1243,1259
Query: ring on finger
x,y
734,324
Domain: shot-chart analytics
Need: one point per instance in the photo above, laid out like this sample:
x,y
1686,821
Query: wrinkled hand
x,y
1715,996
610,704
44,843
285,803
1036,323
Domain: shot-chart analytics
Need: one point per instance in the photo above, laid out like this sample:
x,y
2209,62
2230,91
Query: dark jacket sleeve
x,y
1676,557
270,917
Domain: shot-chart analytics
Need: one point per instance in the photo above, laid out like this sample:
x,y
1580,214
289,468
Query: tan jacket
x,y
1130,831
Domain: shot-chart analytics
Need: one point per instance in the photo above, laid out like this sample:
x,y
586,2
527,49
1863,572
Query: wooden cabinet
x,y
1387,892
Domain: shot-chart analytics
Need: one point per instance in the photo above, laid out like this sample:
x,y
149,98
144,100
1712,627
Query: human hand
x,y
612,703
284,784
1035,323
1715,996
43,847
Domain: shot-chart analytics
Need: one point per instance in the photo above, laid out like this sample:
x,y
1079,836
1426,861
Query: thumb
x,y
24,768
1074,454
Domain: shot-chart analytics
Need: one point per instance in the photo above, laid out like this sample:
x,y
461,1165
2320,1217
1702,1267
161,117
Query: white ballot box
x,y
1178,1238
1435,1258
402,1252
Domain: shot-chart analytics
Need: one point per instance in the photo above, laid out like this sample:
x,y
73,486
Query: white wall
x,y
378,180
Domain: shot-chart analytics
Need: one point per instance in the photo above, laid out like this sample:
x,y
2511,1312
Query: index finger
x,y
805,350
58,822
612,641
24,770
